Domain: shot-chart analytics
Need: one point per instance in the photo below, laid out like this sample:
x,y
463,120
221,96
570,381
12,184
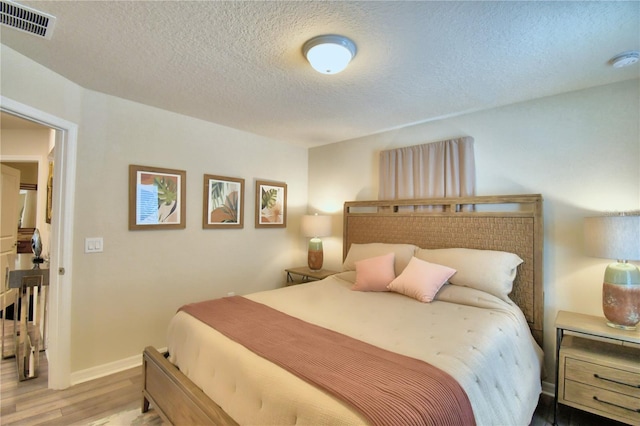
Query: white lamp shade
x,y
329,54
613,237
316,226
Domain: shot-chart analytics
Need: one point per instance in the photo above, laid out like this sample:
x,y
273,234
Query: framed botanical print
x,y
223,202
271,204
157,198
49,193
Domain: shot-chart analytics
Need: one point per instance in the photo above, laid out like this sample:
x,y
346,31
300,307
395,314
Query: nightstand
x,y
304,275
597,368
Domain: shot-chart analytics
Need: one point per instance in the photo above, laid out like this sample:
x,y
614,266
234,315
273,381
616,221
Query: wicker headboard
x,y
511,223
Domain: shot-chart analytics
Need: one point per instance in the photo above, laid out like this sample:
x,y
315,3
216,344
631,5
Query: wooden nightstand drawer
x,y
603,402
606,378
600,377
597,367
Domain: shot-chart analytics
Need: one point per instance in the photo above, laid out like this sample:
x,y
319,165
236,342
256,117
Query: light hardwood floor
x,y
31,403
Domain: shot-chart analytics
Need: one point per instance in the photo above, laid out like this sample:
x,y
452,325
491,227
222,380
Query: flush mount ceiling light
x,y
329,54
625,59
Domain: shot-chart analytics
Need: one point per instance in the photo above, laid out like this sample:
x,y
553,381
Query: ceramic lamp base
x,y
621,296
316,255
315,259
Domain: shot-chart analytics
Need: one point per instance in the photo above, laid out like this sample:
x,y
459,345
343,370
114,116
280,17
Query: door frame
x,y
61,238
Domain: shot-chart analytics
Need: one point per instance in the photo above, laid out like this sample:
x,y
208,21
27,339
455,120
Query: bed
x,y
485,338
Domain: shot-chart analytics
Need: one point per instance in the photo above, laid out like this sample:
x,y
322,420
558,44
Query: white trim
x,y
105,369
108,369
59,333
549,389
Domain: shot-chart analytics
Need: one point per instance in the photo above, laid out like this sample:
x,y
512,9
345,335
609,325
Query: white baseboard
x,y
107,369
549,389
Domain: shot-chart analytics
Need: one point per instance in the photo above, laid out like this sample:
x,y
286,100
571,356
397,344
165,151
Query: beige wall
x,y
129,292
124,297
580,150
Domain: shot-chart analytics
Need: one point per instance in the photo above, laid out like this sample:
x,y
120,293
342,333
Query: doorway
x,y
24,147
61,239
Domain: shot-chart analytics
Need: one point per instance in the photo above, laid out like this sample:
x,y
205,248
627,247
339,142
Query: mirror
x,y
27,206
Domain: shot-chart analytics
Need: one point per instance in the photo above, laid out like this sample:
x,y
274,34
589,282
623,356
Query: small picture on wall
x,y
223,202
271,204
49,193
157,198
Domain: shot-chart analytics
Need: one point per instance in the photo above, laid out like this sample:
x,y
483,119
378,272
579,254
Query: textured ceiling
x,y
239,64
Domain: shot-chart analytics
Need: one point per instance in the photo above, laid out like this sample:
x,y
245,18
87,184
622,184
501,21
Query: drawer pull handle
x,y
635,410
616,381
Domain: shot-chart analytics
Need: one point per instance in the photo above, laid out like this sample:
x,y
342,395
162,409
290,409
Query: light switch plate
x,y
93,245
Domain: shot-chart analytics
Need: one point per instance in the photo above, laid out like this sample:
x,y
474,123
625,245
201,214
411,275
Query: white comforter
x,y
480,340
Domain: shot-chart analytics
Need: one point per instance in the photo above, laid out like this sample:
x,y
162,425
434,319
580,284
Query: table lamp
x,y
315,226
617,237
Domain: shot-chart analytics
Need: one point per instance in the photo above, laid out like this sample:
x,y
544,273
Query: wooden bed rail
x,y
174,396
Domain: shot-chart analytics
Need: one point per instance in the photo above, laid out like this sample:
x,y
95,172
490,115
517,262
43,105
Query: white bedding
x,y
480,340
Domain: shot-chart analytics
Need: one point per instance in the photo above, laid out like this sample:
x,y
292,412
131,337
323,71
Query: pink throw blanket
x,y
387,388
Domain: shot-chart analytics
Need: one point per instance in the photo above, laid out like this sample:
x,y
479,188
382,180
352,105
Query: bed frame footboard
x,y
174,396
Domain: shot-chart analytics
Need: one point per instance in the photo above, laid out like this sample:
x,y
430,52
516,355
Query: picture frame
x,y
223,202
157,198
271,204
49,193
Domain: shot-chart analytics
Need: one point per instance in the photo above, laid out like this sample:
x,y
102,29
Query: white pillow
x,y
421,280
490,271
403,254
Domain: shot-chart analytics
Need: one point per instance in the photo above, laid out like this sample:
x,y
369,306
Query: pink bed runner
x,y
387,388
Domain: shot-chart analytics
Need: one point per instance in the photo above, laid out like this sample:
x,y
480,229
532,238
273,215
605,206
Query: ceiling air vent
x,y
26,19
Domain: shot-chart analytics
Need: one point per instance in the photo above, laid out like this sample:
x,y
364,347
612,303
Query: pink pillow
x,y
375,273
421,280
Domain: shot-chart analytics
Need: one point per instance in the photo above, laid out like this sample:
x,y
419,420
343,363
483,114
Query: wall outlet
x,y
93,245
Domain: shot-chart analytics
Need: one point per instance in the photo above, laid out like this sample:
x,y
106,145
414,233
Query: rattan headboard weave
x,y
511,223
